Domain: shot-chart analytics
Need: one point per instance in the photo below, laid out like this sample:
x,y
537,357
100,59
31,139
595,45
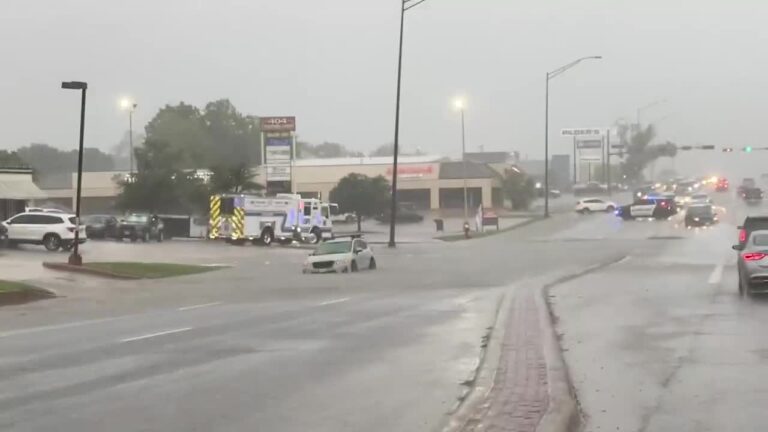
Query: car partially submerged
x,y
341,255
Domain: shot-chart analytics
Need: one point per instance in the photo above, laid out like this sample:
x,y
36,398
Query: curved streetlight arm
x,y
562,69
410,4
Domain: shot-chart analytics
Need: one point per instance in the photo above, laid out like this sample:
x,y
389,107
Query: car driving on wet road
x,y
753,264
657,208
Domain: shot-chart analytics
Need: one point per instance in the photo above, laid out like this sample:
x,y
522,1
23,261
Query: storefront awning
x,y
20,189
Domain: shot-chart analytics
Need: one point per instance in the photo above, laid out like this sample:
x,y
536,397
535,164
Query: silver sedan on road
x,y
753,264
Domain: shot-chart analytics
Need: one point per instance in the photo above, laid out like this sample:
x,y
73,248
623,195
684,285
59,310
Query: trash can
x,y
439,225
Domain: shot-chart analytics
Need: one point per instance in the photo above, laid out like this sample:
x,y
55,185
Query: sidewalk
x,y
422,232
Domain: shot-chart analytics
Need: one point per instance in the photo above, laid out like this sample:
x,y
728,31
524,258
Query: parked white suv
x,y
52,230
589,205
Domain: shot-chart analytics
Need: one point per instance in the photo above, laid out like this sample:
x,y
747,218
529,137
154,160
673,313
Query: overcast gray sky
x,y
332,64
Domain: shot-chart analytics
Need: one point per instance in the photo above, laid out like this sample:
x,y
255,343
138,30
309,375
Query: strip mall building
x,y
427,182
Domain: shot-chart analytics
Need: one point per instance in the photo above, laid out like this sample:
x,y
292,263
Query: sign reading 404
x,y
278,124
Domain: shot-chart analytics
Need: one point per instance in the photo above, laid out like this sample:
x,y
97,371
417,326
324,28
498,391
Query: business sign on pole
x,y
590,158
277,150
278,140
589,144
582,132
278,124
278,172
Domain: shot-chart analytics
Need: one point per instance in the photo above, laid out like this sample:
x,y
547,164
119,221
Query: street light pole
x,y
546,147
130,135
405,5
75,258
464,165
551,75
127,104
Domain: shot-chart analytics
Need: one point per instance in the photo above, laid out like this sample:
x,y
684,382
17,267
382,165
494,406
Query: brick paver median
x,y
519,397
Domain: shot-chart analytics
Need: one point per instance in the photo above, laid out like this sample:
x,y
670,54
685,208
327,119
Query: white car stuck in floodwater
x,y
340,256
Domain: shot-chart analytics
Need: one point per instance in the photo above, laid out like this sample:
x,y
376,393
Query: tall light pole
x,y
460,105
405,5
551,75
75,258
127,104
645,107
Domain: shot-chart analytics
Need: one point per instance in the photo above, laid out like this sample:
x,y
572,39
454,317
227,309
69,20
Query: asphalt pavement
x,y
259,346
661,341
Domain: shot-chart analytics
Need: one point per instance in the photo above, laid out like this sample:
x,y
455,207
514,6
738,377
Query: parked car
x,y
101,226
340,255
141,226
338,217
405,213
589,205
53,230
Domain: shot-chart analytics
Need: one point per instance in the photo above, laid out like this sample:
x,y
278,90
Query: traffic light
x,y
686,147
707,147
748,149
728,150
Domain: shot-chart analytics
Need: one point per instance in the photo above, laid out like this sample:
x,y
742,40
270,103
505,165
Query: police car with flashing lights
x,y
656,208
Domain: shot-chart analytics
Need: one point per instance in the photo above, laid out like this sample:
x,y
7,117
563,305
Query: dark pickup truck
x,y
141,226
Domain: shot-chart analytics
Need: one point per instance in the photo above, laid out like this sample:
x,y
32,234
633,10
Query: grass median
x,y
142,270
10,286
18,292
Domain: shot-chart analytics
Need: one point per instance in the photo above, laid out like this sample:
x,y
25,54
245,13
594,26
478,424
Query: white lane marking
x,y
186,308
151,335
330,302
717,274
56,327
623,260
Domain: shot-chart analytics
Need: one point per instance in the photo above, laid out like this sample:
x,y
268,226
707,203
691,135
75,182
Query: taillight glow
x,y
754,256
742,235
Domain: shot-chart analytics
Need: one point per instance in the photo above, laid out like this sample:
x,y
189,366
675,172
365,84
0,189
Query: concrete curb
x,y
480,382
563,413
86,270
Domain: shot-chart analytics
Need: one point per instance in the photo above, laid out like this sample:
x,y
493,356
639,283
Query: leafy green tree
x,y
362,195
323,151
389,150
519,188
233,179
161,185
216,135
234,138
11,159
384,150
639,150
182,127
45,159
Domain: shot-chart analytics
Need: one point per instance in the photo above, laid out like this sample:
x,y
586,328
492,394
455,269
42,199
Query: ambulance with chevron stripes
x,y
262,220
